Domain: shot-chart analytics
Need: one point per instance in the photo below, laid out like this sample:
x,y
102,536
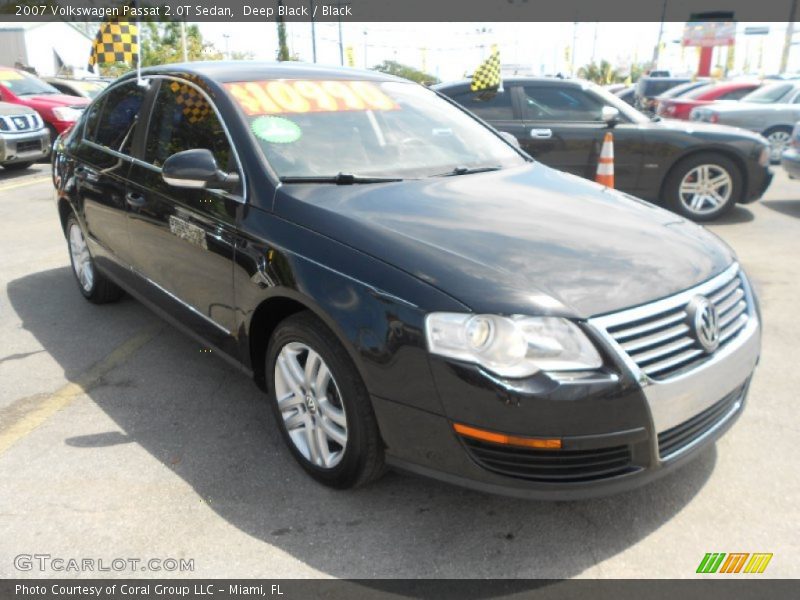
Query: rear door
x,y
183,240
103,160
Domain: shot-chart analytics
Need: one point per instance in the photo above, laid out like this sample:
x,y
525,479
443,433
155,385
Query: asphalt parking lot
x,y
120,438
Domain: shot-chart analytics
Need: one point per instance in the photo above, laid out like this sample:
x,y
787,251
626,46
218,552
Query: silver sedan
x,y
771,110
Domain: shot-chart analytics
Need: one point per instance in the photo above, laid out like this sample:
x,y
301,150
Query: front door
x,y
183,240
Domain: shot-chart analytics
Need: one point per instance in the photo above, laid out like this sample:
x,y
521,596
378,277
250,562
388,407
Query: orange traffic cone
x,y
605,166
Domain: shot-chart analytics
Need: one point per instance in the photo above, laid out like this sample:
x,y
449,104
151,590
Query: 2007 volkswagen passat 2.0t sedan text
x,y
408,288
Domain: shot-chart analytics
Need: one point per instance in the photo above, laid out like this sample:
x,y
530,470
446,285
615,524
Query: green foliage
x,y
601,73
283,48
392,67
161,44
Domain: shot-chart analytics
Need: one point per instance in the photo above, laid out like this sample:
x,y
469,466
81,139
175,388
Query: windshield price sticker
x,y
304,96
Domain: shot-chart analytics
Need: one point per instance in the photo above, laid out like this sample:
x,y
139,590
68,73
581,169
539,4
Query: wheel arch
x,y
64,211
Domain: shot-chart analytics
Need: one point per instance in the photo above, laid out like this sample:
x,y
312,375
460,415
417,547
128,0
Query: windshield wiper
x,y
468,171
339,179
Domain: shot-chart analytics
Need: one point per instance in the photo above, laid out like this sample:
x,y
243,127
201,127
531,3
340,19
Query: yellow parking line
x,y
13,431
13,186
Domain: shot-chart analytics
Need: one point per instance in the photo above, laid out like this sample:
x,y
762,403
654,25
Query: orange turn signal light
x,y
508,440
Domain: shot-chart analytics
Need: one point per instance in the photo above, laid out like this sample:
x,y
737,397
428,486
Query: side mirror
x,y
196,169
610,115
511,139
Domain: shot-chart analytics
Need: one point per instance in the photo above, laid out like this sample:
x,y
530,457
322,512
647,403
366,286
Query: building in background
x,y
48,48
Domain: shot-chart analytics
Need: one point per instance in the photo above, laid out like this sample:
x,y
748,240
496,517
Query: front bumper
x,y
24,147
618,428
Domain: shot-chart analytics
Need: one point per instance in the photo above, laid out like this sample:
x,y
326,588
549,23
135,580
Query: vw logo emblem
x,y
704,322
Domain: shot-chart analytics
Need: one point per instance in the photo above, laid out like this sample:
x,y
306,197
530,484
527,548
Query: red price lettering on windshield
x,y
304,96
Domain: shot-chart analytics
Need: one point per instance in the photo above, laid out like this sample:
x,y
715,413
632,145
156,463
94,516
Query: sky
x,y
449,50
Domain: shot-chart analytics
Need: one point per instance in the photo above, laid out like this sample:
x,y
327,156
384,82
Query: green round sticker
x,y
276,130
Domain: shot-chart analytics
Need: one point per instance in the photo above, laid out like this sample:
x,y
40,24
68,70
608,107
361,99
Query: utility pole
x,y
572,51
657,49
341,44
787,43
313,33
183,42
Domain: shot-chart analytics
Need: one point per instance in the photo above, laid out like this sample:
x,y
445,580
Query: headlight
x,y
515,346
66,113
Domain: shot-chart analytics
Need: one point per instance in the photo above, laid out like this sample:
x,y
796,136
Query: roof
x,y
517,80
224,71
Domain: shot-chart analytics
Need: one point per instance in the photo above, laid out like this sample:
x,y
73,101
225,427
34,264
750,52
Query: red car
x,y
680,107
58,110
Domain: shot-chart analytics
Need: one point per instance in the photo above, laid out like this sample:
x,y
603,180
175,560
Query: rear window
x,y
769,93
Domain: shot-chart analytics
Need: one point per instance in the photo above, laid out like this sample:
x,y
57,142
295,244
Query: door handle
x,y
135,199
80,172
542,134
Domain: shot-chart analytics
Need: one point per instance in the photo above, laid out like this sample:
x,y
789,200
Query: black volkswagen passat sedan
x,y
407,287
698,170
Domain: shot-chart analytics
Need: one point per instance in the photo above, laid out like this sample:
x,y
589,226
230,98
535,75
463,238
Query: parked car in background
x,y
627,95
699,172
649,88
24,139
680,107
771,110
406,286
59,111
790,159
85,88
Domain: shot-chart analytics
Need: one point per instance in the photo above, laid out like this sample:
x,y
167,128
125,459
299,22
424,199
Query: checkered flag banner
x,y
195,107
115,42
487,76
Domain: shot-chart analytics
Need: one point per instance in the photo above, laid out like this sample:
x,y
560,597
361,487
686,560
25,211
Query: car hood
x,y
54,100
528,240
8,109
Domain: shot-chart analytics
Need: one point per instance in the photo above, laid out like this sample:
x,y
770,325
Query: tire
x,y
94,286
19,166
689,174
349,460
778,138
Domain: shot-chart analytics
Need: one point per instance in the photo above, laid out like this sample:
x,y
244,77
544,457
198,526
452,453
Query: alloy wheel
x,y
81,260
778,140
705,189
310,404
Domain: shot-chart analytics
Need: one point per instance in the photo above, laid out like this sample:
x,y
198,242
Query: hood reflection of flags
x,y
115,42
487,75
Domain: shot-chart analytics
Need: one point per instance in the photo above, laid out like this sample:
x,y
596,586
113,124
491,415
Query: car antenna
x,y
139,81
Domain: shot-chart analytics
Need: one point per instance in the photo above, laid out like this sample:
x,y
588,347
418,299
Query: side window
x,y
560,103
183,120
111,122
735,94
488,105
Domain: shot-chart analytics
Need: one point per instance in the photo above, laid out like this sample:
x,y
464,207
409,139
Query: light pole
x,y
313,33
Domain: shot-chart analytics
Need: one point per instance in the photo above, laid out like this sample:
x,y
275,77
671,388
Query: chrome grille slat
x,y
658,337
673,361
645,357
730,300
655,338
719,296
731,315
639,329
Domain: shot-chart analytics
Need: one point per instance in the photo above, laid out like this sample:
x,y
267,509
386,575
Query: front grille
x,y
673,440
18,122
35,145
554,466
658,337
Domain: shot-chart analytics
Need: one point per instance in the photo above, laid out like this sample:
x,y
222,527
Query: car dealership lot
x,y
122,438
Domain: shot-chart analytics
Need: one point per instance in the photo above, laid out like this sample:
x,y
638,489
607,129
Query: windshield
x,y
624,108
365,128
24,84
769,93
